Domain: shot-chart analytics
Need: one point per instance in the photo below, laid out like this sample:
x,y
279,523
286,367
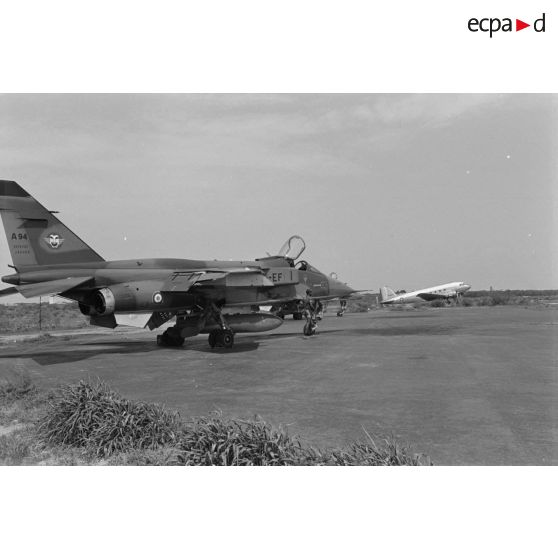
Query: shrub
x,y
94,417
366,453
215,441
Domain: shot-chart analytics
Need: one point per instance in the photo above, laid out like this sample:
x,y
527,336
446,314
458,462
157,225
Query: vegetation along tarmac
x,y
463,385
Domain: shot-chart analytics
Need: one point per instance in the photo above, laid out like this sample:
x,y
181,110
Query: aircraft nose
x,y
336,288
466,287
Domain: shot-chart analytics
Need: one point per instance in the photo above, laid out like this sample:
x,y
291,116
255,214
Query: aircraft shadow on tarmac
x,y
238,347
82,351
293,335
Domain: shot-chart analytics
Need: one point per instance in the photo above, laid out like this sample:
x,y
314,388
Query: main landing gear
x,y
171,338
221,338
342,308
224,336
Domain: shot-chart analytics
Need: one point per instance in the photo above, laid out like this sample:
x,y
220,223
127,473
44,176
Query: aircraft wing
x,y
183,281
8,291
356,292
52,287
340,296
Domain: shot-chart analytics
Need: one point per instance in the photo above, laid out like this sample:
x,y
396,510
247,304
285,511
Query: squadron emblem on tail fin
x,y
54,240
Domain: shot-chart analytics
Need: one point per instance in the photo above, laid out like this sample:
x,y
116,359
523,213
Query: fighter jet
x,y
220,298
447,292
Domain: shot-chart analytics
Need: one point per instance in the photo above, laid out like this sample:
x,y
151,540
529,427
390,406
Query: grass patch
x,y
14,448
94,417
215,440
15,388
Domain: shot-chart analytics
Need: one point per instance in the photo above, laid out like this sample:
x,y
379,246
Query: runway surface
x,y
463,385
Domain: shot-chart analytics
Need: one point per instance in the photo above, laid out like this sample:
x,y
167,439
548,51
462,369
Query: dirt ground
x,y
463,385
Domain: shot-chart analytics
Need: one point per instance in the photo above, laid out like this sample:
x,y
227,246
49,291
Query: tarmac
x,y
466,386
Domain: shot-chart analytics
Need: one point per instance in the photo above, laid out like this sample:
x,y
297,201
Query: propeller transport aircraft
x,y
440,292
220,298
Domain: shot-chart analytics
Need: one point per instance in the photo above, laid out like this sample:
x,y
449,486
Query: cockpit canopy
x,y
303,265
293,248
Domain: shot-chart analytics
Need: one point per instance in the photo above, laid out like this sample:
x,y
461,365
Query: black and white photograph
x,y
310,279
278,279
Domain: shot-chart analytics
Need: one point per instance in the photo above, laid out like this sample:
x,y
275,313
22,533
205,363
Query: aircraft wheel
x,y
212,339
309,329
340,314
297,315
227,338
221,338
280,315
164,340
170,338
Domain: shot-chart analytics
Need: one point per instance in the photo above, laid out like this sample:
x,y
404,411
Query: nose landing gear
x,y
311,312
310,328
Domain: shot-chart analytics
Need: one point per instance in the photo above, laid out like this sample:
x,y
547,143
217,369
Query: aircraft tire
x,y
340,314
171,339
309,329
227,339
297,315
221,338
212,339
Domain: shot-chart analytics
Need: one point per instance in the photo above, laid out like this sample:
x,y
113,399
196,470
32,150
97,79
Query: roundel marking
x,y
157,298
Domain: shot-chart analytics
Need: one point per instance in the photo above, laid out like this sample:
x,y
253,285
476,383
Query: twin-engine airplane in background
x,y
220,298
440,292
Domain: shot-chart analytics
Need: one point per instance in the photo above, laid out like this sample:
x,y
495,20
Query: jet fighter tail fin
x,y
35,236
386,293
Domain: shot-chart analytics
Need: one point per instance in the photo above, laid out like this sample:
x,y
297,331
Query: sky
x,y
405,190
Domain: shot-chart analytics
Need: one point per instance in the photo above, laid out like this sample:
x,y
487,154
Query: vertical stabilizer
x,y
386,294
35,236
